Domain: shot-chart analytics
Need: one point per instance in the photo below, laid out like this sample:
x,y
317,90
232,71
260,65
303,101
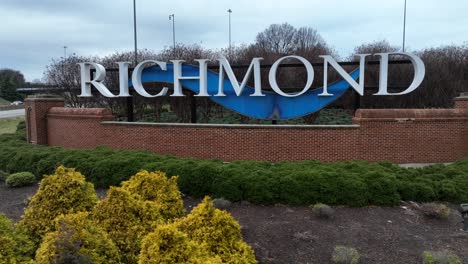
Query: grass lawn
x,y
4,102
8,125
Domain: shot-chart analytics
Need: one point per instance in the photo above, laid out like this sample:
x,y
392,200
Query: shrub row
x,y
354,183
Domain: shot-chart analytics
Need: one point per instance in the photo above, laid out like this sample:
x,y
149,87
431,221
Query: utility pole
x,y
172,17
404,28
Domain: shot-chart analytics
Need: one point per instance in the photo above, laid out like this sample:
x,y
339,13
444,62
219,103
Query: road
x,y
11,113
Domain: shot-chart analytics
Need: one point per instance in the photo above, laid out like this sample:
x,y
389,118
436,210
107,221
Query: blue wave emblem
x,y
270,106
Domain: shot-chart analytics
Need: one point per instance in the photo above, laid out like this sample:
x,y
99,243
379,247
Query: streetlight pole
x,y
404,28
172,17
135,32
230,43
65,52
130,98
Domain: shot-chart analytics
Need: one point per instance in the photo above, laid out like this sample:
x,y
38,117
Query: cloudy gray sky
x,y
35,31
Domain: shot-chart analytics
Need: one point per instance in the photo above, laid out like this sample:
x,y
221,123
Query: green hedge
x,y
354,183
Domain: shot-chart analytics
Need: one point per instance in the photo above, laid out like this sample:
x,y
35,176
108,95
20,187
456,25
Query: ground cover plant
x,y
345,255
440,257
435,210
20,179
142,221
323,210
353,183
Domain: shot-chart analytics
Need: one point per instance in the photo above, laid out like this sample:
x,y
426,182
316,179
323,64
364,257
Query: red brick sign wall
x,y
397,135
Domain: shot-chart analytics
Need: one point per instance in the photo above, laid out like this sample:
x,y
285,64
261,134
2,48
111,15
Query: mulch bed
x,y
284,234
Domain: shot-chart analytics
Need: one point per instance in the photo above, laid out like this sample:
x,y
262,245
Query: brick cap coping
x,y
44,99
79,111
411,113
230,125
462,97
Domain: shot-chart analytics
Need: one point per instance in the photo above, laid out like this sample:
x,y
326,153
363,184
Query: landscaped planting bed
x,y
285,234
353,183
142,221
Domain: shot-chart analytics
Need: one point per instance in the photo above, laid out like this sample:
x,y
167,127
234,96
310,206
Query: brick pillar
x,y
462,101
36,107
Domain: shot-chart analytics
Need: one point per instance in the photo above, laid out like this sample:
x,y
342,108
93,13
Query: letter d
x,y
419,72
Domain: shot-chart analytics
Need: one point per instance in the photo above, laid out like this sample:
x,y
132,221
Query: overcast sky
x,y
35,31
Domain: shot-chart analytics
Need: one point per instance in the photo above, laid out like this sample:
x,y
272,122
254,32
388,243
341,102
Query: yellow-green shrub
x,y
14,246
157,188
345,255
132,211
440,257
77,240
7,241
218,232
168,245
64,192
119,215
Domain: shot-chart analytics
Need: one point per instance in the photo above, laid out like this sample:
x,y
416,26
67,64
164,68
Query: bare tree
x,y
374,47
307,38
445,78
277,38
65,75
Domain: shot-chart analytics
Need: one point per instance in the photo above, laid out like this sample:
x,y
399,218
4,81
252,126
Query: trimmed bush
x,y
440,257
222,203
64,192
7,240
206,235
217,232
157,189
169,245
20,179
77,240
119,214
345,255
323,210
14,246
132,211
435,210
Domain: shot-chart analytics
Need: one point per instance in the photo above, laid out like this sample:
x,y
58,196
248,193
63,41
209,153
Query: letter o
x,y
274,69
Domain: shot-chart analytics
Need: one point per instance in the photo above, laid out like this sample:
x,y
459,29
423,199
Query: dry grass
x,y
8,125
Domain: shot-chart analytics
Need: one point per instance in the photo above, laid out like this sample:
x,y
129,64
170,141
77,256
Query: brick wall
x,y
78,128
412,135
272,143
397,135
